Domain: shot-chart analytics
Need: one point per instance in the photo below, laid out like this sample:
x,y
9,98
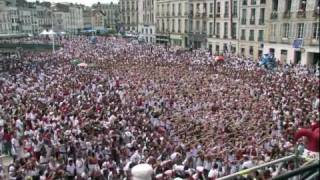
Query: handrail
x,y
246,171
293,173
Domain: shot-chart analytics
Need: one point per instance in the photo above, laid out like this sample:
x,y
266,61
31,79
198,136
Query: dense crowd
x,y
176,110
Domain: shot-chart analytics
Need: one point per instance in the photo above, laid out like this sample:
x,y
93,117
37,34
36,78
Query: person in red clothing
x,y
312,135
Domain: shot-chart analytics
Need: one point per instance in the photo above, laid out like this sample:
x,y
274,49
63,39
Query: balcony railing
x,y
234,15
198,14
225,36
204,14
274,15
301,14
243,21
218,15
243,38
218,36
286,14
252,21
210,15
261,21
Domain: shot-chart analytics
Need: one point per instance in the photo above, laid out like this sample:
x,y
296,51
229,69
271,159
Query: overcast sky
x,y
85,2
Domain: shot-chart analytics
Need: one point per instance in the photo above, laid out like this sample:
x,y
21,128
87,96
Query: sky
x,y
85,2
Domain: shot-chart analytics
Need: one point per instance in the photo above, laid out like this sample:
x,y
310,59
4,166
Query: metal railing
x,y
295,158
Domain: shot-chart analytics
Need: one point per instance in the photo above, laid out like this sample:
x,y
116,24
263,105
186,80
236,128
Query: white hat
x,y
158,176
177,178
11,168
168,172
178,167
142,172
200,168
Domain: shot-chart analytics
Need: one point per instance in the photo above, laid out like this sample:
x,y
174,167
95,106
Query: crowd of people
x,y
179,111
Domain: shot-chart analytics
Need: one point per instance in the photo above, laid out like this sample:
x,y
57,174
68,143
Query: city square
x,y
126,105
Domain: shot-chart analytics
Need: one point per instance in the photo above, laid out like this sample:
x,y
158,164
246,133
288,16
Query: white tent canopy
x,y
44,32
51,32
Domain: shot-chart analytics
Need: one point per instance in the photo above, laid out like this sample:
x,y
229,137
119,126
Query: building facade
x,y
223,27
146,26
129,15
252,28
293,31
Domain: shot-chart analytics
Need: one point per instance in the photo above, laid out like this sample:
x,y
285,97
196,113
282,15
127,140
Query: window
x,y
211,7
273,31
173,10
226,9
197,26
235,9
179,25
150,31
204,27
244,15
218,7
300,30
285,30
302,5
253,2
262,1
251,36
234,30
274,5
253,16
185,25
210,28
260,38
179,9
315,31
261,20
218,30
243,34
288,5
251,50
225,34
173,23
244,2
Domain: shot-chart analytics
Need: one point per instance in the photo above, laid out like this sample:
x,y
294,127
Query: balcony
x,y
225,36
234,37
234,15
274,15
252,21
243,21
204,14
287,15
301,14
226,15
218,36
210,15
261,21
243,38
198,14
218,15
